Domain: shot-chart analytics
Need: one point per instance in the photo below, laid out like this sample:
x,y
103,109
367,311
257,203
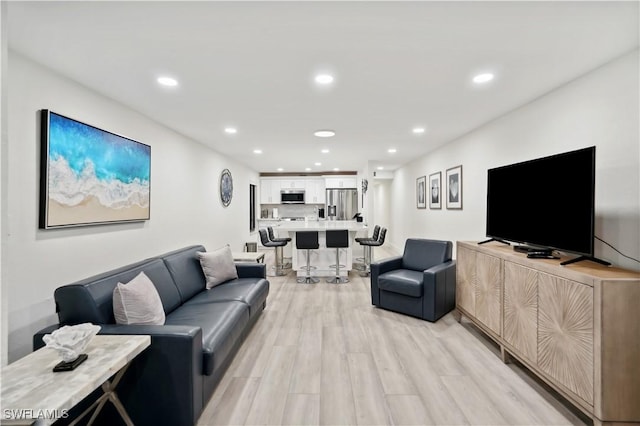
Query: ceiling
x,y
251,65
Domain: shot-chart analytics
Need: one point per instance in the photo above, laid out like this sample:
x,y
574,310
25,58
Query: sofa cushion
x,y
222,325
251,291
137,302
91,299
186,271
218,266
403,281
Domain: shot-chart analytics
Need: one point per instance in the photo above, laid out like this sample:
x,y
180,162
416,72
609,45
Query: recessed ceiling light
x,y
483,78
280,169
307,169
257,151
391,150
380,168
325,151
418,130
324,79
317,164
324,133
167,81
230,130
335,169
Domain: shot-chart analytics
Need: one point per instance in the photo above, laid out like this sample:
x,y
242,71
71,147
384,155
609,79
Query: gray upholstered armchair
x,y
420,283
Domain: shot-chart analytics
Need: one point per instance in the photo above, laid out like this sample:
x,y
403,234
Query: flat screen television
x,y
546,203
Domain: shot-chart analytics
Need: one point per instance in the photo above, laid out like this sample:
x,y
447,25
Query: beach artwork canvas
x,y
90,176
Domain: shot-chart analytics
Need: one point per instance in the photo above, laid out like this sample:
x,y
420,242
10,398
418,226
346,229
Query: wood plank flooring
x,y
321,354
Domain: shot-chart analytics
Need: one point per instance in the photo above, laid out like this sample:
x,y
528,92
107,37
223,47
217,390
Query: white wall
x,y
600,108
4,305
185,203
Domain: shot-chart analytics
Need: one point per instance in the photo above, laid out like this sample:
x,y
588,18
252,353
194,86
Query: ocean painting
x,y
91,176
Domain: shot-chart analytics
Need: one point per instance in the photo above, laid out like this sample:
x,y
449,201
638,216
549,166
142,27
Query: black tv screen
x,y
547,202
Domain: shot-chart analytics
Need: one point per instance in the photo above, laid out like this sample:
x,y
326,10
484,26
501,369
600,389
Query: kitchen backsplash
x,y
291,210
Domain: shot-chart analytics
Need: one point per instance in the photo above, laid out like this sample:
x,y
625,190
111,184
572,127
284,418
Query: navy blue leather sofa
x,y
172,380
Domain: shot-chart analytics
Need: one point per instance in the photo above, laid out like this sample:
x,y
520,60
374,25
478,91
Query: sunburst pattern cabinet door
x,y
565,333
465,280
521,309
489,291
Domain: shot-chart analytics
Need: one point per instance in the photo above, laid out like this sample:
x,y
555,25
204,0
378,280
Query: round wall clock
x,y
226,187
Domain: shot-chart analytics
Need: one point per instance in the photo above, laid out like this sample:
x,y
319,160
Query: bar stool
x,y
337,239
272,237
278,245
368,247
307,240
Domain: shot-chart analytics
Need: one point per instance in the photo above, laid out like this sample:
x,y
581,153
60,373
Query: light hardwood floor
x,y
322,354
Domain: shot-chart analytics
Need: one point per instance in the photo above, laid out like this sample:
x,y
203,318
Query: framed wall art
x,y
90,176
421,184
435,185
454,188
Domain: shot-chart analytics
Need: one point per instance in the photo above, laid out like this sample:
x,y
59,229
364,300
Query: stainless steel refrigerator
x,y
342,204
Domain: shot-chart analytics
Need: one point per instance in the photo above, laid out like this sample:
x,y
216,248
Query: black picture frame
x,y
435,191
454,188
90,176
421,195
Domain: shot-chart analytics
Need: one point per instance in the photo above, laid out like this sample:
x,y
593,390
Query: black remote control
x,y
541,255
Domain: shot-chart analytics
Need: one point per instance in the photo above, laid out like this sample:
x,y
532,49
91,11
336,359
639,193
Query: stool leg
x,y
367,262
337,279
308,279
279,261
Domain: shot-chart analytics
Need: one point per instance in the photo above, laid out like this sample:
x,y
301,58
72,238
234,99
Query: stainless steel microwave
x,y
292,196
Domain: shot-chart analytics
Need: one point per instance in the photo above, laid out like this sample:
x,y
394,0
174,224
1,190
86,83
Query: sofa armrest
x,y
379,268
167,375
251,270
439,290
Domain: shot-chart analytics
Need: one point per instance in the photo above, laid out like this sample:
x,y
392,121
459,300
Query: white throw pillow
x,y
138,302
218,266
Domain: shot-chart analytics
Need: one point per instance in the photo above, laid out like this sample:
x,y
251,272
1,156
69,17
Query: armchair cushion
x,y
421,254
403,281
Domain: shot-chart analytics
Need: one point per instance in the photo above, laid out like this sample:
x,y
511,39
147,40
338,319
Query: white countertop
x,y
323,225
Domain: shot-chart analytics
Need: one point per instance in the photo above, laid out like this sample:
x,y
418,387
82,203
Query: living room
x,y
597,106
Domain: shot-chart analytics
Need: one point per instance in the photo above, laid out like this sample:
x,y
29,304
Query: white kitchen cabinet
x,y
270,191
292,184
341,182
315,191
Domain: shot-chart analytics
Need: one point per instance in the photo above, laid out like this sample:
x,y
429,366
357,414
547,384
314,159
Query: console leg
x,y
506,358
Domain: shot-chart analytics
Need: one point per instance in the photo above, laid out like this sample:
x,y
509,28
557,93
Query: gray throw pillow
x,y
218,266
138,302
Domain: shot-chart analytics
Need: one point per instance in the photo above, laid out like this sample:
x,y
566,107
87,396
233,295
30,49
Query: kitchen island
x,y
323,257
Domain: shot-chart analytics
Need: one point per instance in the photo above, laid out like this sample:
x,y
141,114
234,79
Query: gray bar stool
x,y
368,246
278,245
307,240
272,237
337,239
366,260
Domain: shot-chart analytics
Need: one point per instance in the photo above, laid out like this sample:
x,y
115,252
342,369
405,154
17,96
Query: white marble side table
x,y
248,256
33,393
